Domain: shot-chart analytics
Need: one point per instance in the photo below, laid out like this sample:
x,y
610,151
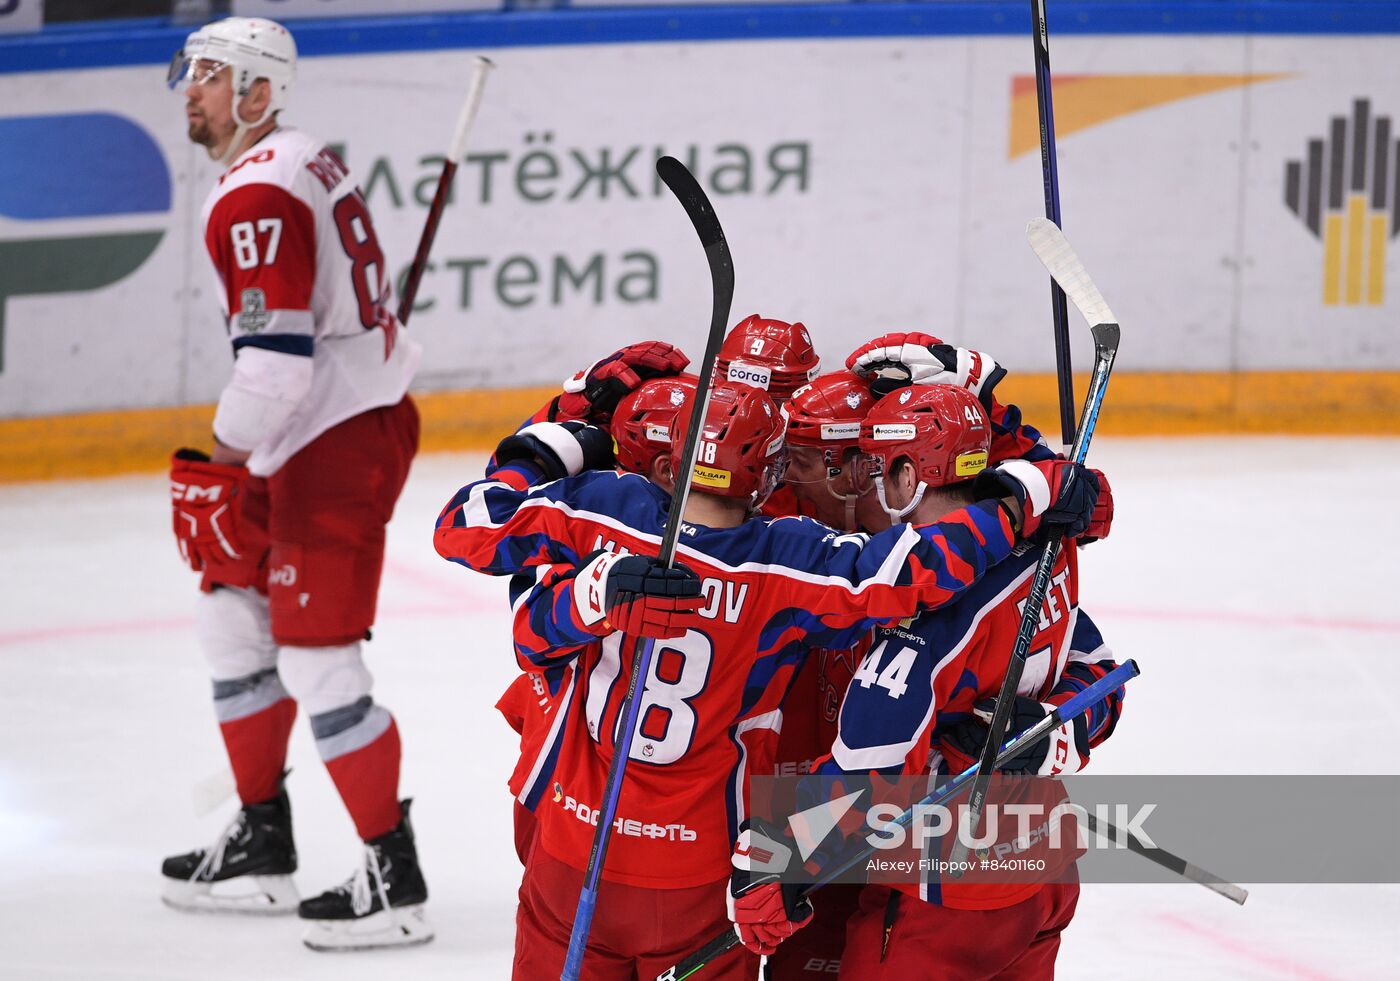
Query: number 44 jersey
x,y
305,291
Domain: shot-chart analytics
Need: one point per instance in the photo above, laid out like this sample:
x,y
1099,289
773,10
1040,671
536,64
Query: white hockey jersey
x,y
306,294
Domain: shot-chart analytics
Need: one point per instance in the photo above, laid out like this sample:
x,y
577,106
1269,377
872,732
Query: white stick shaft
x,y
480,70
1053,249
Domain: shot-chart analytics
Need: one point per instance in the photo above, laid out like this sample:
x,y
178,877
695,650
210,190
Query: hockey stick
x,y
1053,249
444,185
702,215
1072,708
1173,863
1050,174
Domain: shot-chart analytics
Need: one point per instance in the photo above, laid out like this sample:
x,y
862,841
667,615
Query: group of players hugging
x,y
852,562
845,599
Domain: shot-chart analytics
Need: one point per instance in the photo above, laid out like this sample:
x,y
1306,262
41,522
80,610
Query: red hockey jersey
x,y
925,675
773,589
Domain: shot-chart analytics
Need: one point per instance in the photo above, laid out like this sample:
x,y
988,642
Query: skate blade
x,y
406,926
274,895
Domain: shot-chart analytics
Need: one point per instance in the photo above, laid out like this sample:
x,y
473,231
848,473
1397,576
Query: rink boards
x,y
1236,196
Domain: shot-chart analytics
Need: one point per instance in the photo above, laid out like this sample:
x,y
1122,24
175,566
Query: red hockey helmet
x,y
828,412
741,450
641,423
942,429
824,469
773,355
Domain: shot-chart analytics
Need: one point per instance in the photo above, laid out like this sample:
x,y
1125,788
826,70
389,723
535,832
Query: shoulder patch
x,y
252,310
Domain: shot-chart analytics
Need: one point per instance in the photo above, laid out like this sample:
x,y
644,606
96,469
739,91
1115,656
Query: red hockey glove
x,y
637,595
1057,497
1063,750
892,361
202,496
594,392
1102,521
764,910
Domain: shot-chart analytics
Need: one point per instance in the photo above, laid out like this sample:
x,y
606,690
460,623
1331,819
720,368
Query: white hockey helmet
x,y
253,47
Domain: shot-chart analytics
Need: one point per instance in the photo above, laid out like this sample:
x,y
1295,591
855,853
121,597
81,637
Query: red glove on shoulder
x,y
594,392
205,516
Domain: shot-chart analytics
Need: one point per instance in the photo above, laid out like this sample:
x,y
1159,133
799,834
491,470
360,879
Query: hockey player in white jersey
x,y
313,437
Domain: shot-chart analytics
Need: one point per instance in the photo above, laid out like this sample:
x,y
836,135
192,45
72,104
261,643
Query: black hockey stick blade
x,y
1106,340
702,215
692,197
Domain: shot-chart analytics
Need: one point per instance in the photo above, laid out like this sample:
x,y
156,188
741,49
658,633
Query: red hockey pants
x,y
637,933
918,941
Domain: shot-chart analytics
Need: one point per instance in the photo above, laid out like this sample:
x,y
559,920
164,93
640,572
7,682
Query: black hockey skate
x,y
255,857
381,905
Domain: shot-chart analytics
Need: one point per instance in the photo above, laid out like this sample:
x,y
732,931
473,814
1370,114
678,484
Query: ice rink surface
x,y
1252,579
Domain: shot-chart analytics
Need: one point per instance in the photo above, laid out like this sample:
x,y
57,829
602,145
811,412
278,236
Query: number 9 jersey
x,y
305,290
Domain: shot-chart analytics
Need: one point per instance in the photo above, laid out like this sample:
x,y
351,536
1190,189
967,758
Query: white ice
x,y
1253,580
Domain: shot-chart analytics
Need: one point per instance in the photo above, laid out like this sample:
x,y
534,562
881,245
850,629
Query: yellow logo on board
x,y
1085,101
1344,192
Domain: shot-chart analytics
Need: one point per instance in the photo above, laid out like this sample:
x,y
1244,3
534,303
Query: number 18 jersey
x,y
300,274
712,699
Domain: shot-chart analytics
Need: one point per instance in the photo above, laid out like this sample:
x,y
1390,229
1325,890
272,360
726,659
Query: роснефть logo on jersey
x,y
1347,193
81,165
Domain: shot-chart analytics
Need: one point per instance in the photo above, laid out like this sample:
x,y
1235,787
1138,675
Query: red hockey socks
x,y
255,717
360,746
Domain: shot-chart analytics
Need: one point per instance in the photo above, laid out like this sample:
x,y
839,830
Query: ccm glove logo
x,y
195,493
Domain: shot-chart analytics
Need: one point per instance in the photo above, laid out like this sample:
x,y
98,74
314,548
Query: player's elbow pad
x,y
266,388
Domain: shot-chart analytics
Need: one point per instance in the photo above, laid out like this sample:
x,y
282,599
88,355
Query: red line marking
x,y
1267,958
96,629
421,578
467,603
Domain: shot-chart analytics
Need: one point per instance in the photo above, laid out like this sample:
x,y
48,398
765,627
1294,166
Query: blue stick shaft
x,y
578,939
702,216
612,790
